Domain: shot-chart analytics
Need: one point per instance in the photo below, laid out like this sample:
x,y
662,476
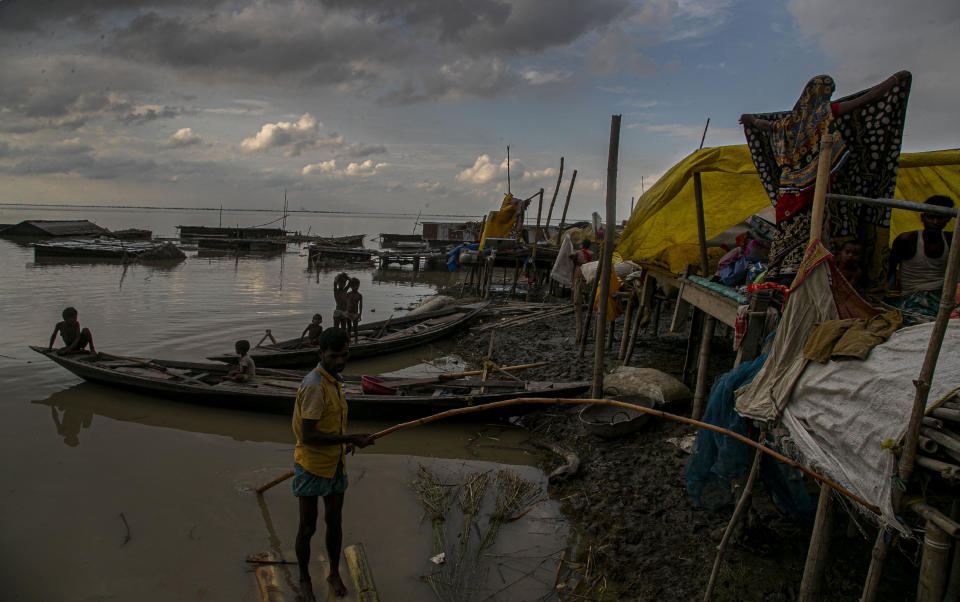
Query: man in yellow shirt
x,y
319,423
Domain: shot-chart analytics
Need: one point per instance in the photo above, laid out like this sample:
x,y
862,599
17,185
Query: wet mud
x,y
636,535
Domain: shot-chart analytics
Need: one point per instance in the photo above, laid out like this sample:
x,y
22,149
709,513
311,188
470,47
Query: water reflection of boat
x,y
87,399
274,391
376,338
101,248
241,245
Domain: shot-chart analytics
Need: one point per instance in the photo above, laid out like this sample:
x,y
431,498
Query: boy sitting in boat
x,y
354,308
340,284
75,338
312,332
245,370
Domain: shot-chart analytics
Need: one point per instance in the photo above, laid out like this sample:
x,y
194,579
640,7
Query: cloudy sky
x,y
391,105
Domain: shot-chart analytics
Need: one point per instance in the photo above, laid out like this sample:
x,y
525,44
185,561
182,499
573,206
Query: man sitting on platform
x,y
921,256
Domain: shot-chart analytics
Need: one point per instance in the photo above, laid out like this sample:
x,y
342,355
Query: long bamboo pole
x,y
606,262
610,402
820,188
566,204
741,504
811,584
533,250
922,385
703,357
556,191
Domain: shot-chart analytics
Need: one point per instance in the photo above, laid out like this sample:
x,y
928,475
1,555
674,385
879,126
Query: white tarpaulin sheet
x,y
841,412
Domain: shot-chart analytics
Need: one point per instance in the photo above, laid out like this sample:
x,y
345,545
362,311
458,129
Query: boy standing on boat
x,y
354,308
75,338
319,423
340,283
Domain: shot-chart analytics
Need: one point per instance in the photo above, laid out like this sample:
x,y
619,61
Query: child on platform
x,y
75,338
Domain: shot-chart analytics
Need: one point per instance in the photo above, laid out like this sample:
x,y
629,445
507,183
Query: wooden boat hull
x,y
287,353
275,390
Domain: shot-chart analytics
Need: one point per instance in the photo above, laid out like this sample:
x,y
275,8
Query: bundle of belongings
x,y
835,393
745,262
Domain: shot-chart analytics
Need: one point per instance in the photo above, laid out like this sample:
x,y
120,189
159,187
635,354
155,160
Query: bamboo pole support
x,y
553,201
566,204
606,263
636,327
533,250
811,586
737,511
588,316
821,186
508,169
953,584
703,358
627,317
922,385
364,587
932,583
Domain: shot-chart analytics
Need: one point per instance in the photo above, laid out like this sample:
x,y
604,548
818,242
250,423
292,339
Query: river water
x,y
110,495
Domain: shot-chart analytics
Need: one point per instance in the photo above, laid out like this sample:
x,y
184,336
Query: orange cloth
x,y
614,308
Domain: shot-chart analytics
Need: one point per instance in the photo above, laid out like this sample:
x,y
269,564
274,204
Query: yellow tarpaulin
x,y
500,222
666,214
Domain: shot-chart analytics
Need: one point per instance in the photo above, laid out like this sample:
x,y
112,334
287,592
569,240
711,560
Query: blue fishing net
x,y
716,459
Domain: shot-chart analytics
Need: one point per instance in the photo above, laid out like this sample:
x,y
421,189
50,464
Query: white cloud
x,y
293,137
183,137
542,173
364,169
535,77
482,172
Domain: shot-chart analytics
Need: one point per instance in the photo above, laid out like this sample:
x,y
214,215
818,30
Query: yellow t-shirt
x,y
320,397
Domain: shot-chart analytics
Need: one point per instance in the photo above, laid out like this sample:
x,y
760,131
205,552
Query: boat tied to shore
x,y
274,391
376,338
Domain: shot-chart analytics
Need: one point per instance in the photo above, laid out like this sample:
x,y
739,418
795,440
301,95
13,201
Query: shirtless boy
x,y
340,284
354,308
312,332
245,370
74,337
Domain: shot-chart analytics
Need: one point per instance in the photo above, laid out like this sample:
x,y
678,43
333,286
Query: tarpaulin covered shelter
x,y
46,228
666,214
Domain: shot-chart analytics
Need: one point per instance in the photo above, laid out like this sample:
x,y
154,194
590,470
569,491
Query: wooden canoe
x,y
274,391
376,338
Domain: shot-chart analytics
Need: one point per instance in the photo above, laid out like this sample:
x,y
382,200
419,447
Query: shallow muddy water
x,y
110,495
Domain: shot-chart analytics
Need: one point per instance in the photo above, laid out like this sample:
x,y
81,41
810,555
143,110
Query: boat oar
x,y
264,337
610,402
384,327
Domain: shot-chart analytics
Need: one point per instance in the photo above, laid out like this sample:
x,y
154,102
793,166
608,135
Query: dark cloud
x,y
34,15
358,150
464,77
357,44
450,18
137,118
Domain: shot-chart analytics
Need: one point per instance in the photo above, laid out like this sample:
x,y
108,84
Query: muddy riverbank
x,y
638,536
